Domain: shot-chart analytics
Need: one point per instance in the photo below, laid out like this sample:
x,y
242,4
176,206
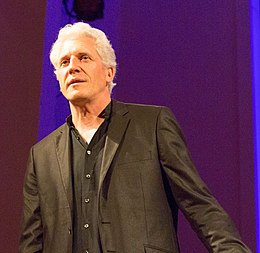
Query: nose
x,y
74,65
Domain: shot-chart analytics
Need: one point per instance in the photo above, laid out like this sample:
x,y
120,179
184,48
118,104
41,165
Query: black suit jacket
x,y
146,176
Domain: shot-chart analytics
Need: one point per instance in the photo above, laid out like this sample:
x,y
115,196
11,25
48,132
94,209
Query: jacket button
x,y
86,225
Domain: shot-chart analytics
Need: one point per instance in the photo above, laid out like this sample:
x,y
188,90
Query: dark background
x,y
192,56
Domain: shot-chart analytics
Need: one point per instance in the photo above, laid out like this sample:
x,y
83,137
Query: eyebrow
x,y
78,55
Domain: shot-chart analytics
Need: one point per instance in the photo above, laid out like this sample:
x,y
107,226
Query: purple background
x,y
193,57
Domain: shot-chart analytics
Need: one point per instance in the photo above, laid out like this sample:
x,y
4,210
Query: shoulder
x,y
147,116
141,109
50,139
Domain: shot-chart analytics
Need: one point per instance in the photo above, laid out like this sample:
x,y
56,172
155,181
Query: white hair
x,y
104,47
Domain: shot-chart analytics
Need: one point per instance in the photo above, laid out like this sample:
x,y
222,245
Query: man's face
x,y
82,76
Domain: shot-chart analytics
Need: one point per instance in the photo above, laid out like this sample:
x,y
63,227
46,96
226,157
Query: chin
x,y
78,100
76,95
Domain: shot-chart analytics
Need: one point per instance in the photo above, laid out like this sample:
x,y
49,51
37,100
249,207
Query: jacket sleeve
x,y
207,218
31,235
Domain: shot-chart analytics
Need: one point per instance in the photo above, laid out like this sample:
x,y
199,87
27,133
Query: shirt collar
x,y
106,114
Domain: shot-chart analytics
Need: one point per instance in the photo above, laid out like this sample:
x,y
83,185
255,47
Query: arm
x,y
31,238
207,218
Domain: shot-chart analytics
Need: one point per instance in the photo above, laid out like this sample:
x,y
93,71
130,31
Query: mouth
x,y
75,80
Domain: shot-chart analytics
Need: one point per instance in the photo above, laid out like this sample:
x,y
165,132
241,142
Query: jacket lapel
x,y
117,127
63,154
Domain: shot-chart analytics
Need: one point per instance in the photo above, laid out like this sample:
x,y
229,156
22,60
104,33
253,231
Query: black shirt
x,y
86,161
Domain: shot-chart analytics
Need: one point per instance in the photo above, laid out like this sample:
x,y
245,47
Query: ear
x,y
110,74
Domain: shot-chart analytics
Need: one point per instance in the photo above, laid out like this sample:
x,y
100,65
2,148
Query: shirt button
x,y
89,152
88,176
86,225
86,251
86,200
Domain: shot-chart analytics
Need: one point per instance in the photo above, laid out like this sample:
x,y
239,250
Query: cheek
x,y
61,80
61,85
61,88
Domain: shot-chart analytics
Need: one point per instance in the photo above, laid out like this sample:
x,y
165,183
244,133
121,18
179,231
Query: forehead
x,y
77,44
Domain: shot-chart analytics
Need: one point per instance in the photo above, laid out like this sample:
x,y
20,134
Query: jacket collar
x,y
116,129
118,124
63,155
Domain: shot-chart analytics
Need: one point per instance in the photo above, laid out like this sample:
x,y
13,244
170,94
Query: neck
x,y
86,117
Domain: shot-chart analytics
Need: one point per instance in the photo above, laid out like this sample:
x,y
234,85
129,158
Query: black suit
x,y
146,175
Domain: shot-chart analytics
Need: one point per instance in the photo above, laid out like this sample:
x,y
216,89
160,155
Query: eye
x,y
64,62
84,58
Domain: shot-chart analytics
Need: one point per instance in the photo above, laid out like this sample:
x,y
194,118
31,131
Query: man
x,y
112,178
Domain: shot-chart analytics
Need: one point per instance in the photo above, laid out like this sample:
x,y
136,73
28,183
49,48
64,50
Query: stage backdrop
x,y
191,56
21,50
